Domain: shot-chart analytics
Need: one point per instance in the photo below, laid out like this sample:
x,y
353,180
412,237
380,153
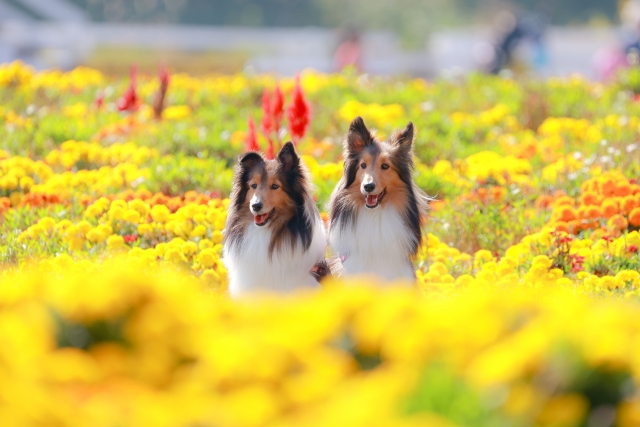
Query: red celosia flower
x,y
270,155
277,107
131,238
267,124
251,142
129,101
298,113
633,249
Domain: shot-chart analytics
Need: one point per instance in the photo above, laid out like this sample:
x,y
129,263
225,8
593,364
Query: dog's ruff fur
x,y
382,239
250,268
279,254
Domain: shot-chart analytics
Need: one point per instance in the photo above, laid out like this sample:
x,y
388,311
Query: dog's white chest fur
x,y
378,243
251,269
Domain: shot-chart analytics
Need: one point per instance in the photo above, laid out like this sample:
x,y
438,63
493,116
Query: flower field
x,y
113,306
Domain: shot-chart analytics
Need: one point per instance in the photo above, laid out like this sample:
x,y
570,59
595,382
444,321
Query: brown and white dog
x,y
274,236
375,211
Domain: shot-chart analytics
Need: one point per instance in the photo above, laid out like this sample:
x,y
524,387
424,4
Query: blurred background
x,y
425,38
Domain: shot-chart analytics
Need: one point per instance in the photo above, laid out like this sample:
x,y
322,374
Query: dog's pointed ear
x,y
288,157
249,160
404,138
358,137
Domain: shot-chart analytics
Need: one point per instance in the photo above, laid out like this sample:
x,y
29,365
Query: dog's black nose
x,y
369,187
257,207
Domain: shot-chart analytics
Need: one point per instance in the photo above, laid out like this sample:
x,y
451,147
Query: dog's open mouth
x,y
372,201
263,218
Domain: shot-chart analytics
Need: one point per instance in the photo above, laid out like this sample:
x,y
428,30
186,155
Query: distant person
x,y
608,61
349,52
516,30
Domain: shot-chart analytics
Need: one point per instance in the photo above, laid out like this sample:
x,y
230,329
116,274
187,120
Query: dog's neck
x,y
377,241
253,265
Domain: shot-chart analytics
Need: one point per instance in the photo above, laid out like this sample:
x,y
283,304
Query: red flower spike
x,y
270,155
163,74
251,143
298,113
633,249
267,124
129,101
277,108
158,103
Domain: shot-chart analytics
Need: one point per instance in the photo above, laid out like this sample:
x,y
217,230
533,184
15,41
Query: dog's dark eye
x,y
254,185
363,165
385,166
274,186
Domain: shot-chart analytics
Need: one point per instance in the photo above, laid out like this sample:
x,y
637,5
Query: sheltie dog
x,y
376,210
274,235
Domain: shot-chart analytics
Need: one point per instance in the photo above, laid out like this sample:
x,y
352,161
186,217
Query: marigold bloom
x,y
590,198
610,208
593,212
566,214
634,217
623,189
617,222
608,187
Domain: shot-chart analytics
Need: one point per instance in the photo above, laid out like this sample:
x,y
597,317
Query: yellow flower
x,y
176,112
115,242
145,229
207,257
131,216
199,231
84,226
174,255
160,213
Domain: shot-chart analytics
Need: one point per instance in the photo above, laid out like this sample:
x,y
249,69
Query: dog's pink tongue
x,y
261,218
372,200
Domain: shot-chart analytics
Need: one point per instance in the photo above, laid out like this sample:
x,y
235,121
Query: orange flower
x,y
593,212
190,196
574,226
564,200
202,199
609,187
174,204
562,226
610,208
590,198
544,201
582,212
627,204
623,189
617,222
436,205
634,217
159,199
497,193
143,194
482,194
5,203
567,213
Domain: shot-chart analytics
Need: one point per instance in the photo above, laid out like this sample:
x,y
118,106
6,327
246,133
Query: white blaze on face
x,y
255,199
